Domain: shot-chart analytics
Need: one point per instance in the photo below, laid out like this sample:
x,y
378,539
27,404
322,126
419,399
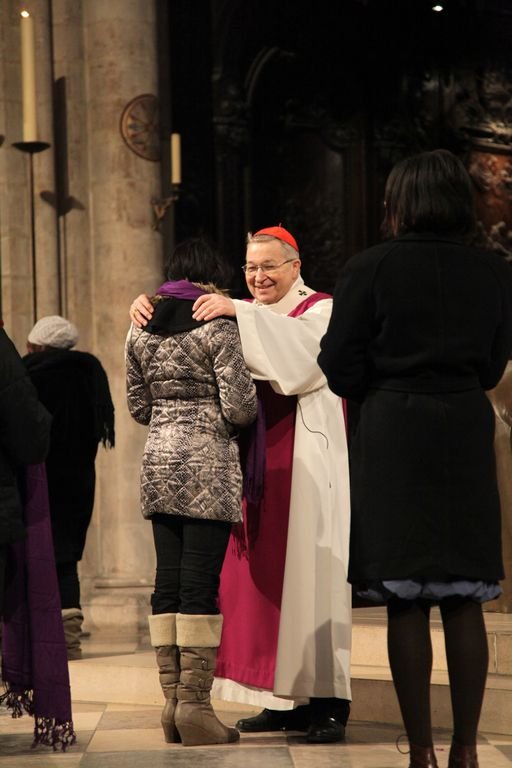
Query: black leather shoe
x,y
325,730
298,719
330,707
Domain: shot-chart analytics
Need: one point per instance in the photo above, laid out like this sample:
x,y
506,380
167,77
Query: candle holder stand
x,y
32,148
161,205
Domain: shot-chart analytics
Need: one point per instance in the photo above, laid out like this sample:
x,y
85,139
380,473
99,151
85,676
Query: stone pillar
x,y
120,63
106,55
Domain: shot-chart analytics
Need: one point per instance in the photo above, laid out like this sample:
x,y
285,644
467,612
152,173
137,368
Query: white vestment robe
x,y
314,641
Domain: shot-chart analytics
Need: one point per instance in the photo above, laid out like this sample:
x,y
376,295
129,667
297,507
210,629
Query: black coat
x,y
24,435
421,326
74,388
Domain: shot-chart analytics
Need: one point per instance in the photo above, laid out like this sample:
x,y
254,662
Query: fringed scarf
x,y
34,658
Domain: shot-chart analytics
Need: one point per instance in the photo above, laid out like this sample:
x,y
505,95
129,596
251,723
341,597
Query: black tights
x,y
69,584
189,558
410,658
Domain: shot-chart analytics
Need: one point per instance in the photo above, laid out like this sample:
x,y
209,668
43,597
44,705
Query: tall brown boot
x,y
198,638
162,632
72,619
422,757
462,757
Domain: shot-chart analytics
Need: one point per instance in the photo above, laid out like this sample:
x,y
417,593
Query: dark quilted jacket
x,y
195,391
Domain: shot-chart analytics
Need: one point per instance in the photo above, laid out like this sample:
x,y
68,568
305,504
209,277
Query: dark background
x,y
293,112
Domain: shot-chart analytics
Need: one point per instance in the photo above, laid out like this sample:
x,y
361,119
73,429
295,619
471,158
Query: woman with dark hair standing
x,y
421,327
188,380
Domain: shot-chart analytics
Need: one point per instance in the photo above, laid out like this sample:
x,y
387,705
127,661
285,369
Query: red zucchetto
x,y
281,234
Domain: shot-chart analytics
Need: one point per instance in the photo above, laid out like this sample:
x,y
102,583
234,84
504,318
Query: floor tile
x,y
191,757
86,721
491,757
129,735
130,719
127,760
125,741
116,707
88,706
47,760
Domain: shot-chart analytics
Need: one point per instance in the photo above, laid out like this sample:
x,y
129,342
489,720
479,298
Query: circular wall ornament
x,y
139,126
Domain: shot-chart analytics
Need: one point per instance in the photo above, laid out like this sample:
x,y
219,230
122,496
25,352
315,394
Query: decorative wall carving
x,y
320,77
483,109
492,174
139,126
482,114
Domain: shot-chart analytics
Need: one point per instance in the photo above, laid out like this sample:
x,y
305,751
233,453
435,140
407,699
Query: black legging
x,y
410,658
69,584
189,557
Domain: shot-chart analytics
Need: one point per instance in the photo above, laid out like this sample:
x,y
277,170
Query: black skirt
x,y
424,494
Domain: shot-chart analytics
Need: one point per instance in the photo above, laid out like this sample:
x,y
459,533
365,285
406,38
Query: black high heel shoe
x,y
422,757
462,757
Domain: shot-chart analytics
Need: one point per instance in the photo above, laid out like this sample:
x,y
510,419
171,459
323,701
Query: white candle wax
x,y
175,158
28,77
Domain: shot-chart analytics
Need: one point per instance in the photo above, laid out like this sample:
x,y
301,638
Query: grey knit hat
x,y
54,331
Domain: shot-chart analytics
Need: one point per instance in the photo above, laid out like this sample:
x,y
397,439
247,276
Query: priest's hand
x,y
213,305
141,311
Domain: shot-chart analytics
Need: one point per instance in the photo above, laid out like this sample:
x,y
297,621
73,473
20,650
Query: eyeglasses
x,y
267,269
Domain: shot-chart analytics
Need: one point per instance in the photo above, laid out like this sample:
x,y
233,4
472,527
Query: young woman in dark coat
x,y
421,327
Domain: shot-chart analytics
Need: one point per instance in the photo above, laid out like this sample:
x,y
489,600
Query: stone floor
x,y
118,733
129,736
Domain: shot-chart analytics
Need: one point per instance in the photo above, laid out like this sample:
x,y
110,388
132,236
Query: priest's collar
x,y
297,293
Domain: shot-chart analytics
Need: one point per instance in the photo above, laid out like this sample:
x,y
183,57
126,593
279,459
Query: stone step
x,y
373,694
129,678
369,640
123,671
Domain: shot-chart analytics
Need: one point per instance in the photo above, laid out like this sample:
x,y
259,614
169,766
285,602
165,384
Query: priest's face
x,y
269,271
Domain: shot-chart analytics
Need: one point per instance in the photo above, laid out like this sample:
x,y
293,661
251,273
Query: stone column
x,y
120,63
105,55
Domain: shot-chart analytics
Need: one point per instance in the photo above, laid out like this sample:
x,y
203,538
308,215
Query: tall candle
x,y
28,77
175,158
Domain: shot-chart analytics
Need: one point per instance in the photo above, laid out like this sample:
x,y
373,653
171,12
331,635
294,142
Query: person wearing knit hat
x,y
73,387
291,579
53,331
